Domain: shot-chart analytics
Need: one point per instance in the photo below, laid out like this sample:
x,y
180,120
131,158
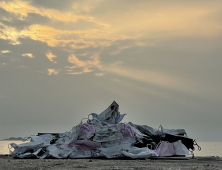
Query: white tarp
x,y
101,136
170,149
138,153
110,115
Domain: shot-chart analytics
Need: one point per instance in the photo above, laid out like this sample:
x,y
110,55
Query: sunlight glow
x,y
52,71
30,55
50,56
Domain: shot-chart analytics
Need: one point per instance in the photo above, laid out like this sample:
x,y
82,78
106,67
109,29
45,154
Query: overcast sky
x,y
61,60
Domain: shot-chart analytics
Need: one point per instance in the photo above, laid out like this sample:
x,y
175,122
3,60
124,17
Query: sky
x,y
159,60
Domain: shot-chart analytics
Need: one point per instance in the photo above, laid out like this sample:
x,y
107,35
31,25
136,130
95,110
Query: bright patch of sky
x,y
62,60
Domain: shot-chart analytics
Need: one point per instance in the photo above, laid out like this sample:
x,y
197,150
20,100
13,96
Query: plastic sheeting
x,y
105,136
110,115
138,153
47,138
85,145
170,149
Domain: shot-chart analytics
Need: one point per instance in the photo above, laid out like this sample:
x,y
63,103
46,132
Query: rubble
x,y
105,136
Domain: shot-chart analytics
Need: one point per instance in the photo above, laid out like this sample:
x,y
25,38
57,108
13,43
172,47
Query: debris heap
x,y
105,136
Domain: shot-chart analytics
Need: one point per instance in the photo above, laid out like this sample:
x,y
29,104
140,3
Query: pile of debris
x,y
104,136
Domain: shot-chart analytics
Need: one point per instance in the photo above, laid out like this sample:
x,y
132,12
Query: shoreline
x,y
11,140
168,163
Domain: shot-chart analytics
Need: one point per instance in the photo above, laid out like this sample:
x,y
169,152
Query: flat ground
x,y
97,164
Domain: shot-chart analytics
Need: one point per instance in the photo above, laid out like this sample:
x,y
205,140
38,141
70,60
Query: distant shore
x,y
99,164
13,138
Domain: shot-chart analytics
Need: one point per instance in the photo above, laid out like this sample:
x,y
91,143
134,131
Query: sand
x,y
97,164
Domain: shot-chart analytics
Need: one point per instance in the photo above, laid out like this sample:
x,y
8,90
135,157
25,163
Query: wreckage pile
x,y
105,136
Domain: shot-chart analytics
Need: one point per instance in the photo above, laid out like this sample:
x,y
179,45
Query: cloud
x,y
85,6
54,37
93,61
178,19
5,51
87,70
9,33
74,60
141,29
75,73
28,55
50,56
52,71
23,8
99,74
6,19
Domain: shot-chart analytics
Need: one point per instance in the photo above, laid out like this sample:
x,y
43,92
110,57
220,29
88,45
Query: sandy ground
x,y
97,164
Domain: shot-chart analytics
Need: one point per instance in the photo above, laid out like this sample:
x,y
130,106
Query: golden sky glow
x,y
5,51
50,56
163,23
22,9
28,55
52,71
150,26
161,59
85,65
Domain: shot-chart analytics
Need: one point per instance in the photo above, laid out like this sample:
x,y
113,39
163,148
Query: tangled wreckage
x,y
104,136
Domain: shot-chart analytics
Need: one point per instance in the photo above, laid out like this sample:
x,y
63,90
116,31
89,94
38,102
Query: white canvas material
x,y
170,149
67,137
85,145
105,137
114,151
54,151
86,131
110,115
102,136
126,140
130,131
22,148
172,131
29,154
62,151
138,153
108,128
146,129
109,132
46,138
25,146
180,148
